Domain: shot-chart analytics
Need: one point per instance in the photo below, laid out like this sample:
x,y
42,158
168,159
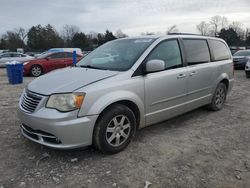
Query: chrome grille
x,y
30,101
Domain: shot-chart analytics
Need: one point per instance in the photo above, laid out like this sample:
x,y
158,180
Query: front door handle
x,y
193,73
180,76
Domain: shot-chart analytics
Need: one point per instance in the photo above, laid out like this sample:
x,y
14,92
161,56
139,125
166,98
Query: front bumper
x,y
239,65
57,130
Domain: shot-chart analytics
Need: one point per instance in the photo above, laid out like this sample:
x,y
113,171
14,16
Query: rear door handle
x,y
180,76
193,73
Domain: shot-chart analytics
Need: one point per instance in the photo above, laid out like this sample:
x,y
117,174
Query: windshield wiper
x,y
91,67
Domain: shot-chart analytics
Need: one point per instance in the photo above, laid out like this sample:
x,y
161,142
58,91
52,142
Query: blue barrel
x,y
74,58
15,73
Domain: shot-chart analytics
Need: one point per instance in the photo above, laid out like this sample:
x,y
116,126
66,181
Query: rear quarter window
x,y
196,51
220,50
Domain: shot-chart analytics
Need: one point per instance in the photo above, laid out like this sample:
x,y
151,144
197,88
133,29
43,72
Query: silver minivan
x,y
125,85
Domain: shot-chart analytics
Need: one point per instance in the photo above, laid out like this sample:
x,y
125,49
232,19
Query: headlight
x,y
66,102
25,63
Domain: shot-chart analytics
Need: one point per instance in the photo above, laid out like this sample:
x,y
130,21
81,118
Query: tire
x,y
114,129
36,70
219,97
247,75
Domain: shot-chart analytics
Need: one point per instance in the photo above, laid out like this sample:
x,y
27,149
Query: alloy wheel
x,y
118,130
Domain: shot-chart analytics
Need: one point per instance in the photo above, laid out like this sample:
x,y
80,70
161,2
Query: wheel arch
x,y
128,103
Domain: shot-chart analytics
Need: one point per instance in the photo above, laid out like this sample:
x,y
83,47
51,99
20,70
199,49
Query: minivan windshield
x,y
116,55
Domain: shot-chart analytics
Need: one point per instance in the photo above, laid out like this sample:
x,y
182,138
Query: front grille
x,y
30,101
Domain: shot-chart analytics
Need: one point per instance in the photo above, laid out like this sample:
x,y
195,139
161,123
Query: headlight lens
x,y
25,63
66,102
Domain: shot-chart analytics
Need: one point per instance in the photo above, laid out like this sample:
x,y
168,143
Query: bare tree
x,y
172,29
120,34
22,33
93,34
238,28
218,22
203,28
224,22
68,33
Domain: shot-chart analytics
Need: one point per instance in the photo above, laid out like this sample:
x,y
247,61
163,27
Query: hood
x,y
239,57
67,80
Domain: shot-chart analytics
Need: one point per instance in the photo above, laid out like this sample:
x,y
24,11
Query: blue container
x,y
74,58
15,73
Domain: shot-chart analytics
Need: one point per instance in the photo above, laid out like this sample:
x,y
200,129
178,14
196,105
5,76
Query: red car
x,y
48,62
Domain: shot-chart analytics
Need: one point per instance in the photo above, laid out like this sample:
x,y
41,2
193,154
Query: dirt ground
x,y
197,149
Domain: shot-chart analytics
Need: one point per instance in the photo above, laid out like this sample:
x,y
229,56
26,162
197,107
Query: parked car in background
x,y
78,50
247,68
104,100
3,51
240,59
49,61
20,50
13,56
33,54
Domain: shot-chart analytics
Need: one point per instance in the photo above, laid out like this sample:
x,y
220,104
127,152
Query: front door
x,y
165,91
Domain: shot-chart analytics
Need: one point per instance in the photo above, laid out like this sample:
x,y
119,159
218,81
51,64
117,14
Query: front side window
x,y
197,51
220,50
15,55
169,52
117,55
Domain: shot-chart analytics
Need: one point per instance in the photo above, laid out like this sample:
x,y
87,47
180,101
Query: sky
x,y
131,16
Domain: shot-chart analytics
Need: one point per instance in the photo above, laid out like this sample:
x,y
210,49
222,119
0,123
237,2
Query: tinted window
x,y
15,55
57,55
220,50
196,51
69,55
5,55
169,52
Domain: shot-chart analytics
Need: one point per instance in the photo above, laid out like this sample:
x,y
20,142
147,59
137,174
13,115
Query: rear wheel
x,y
114,129
219,98
36,70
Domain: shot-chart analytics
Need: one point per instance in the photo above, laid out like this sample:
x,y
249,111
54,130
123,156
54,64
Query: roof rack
x,y
184,34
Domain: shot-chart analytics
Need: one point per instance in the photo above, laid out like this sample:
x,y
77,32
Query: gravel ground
x,y
197,149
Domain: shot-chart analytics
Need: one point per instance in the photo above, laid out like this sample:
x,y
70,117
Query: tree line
x,y
40,38
232,32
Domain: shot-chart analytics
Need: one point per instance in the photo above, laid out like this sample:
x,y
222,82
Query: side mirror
x,y
155,65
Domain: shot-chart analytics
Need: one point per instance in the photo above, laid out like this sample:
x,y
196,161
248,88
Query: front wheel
x,y
114,129
219,98
36,70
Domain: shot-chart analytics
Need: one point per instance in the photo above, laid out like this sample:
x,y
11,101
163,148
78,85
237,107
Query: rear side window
x,y
220,50
196,51
70,55
57,55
